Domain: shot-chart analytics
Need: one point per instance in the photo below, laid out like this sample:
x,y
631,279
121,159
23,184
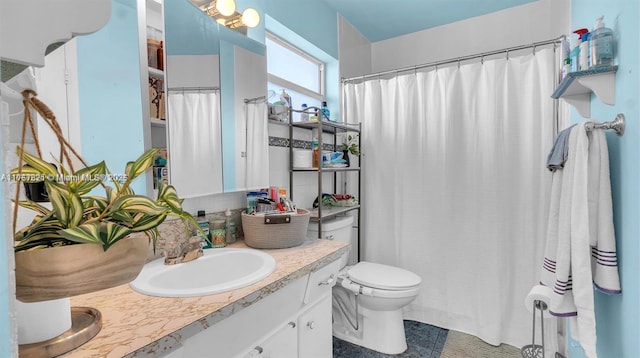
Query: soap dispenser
x,y
601,45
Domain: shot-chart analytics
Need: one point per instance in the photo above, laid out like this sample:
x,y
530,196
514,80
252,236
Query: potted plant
x,y
351,145
84,242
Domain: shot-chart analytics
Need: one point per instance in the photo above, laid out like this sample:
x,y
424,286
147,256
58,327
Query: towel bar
x,y
617,124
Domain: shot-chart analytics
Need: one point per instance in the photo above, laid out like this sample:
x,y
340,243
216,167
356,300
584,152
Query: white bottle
x,y
286,99
229,228
304,116
585,62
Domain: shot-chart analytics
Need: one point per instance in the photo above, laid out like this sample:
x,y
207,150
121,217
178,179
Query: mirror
x,y
243,77
202,56
193,125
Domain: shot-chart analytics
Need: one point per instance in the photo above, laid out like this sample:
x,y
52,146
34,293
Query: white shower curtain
x,y
257,174
455,187
195,141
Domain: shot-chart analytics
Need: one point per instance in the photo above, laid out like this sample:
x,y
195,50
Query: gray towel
x,y
560,150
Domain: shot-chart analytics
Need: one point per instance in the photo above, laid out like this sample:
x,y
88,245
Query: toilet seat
x,y
383,277
377,292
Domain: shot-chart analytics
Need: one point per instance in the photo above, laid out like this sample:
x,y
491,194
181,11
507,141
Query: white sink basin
x,y
219,270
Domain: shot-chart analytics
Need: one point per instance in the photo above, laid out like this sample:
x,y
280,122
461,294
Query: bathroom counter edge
x,y
136,325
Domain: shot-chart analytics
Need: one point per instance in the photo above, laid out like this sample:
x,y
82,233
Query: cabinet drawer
x,y
321,281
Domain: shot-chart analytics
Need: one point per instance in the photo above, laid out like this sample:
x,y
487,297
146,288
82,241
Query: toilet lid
x,y
383,276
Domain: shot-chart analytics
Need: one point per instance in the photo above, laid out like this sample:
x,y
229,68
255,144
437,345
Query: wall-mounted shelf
x,y
329,212
576,88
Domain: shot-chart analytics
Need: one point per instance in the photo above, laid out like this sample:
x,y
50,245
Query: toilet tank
x,y
339,229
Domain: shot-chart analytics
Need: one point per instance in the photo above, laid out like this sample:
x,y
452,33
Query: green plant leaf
x,y
67,205
104,233
32,205
89,177
140,165
169,196
137,204
47,169
144,222
27,174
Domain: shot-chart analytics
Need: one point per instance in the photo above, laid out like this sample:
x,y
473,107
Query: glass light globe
x,y
226,7
222,21
250,17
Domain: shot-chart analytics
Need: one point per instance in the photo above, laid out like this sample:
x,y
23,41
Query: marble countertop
x,y
136,325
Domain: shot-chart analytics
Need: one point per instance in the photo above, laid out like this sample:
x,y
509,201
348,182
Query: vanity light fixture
x,y
225,13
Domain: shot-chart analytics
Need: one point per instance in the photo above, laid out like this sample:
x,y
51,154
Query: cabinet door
x,y
282,343
314,330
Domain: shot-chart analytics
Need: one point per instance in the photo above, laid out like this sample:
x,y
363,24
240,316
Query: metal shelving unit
x,y
333,129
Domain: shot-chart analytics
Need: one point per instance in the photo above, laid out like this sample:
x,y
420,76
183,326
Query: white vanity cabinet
x,y
314,330
283,343
294,321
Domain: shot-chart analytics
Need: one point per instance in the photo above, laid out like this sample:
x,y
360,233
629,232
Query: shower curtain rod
x,y
457,59
256,99
177,89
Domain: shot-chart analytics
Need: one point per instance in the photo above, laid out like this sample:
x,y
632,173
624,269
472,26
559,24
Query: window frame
x,y
320,96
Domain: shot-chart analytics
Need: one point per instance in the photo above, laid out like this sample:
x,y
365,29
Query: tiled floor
x,y
426,341
423,341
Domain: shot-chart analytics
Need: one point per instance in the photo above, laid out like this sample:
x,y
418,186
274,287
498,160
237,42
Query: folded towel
x,y
560,150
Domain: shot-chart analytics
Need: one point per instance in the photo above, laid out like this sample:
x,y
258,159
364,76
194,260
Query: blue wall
x,y
110,96
618,317
313,20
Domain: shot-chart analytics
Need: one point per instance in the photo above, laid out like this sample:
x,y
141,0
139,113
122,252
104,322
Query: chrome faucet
x,y
181,251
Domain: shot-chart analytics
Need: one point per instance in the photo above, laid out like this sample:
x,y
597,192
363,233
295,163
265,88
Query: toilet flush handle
x,y
328,281
329,237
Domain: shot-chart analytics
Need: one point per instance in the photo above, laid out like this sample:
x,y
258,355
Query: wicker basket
x,y
275,231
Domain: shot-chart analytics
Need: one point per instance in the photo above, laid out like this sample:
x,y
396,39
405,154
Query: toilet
x,y
372,292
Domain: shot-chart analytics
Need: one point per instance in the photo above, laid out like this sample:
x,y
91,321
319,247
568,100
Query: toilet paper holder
x,y
534,350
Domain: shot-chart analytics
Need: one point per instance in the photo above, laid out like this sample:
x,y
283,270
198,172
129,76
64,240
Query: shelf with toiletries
x,y
336,145
329,212
328,126
576,88
327,169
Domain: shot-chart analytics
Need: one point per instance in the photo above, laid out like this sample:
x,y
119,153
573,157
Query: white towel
x,y
580,247
604,261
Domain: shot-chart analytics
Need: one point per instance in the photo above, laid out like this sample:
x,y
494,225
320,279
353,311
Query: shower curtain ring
x,y
482,60
507,55
534,50
458,62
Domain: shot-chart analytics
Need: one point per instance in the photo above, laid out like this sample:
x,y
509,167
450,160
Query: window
x,y
298,73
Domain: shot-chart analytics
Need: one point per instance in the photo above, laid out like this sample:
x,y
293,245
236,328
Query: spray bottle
x,y
575,53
